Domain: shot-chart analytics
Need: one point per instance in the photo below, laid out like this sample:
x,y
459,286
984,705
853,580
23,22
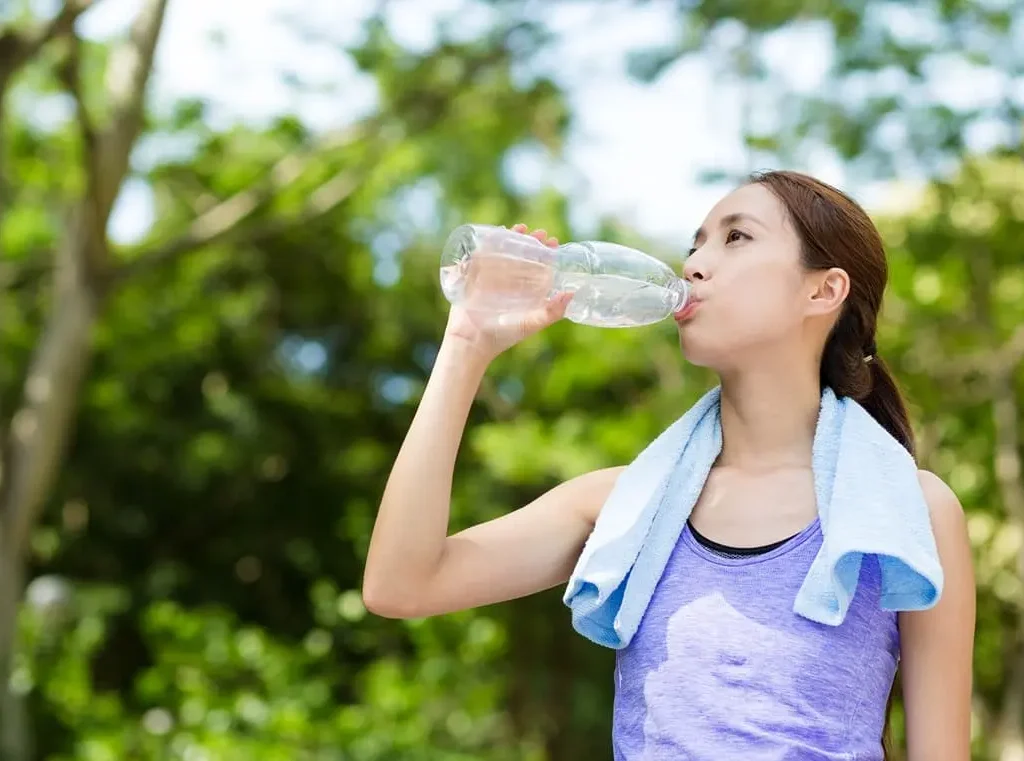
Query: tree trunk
x,y
37,433
36,440
1005,415
14,732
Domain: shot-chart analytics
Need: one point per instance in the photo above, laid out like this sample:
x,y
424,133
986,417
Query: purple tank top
x,y
721,667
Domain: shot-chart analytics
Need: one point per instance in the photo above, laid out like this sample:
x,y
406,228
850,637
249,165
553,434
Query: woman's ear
x,y
828,290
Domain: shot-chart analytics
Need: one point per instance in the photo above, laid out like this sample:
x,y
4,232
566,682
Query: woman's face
x,y
753,294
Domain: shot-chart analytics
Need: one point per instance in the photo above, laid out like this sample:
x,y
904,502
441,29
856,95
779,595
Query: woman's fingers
x,y
540,235
564,299
554,309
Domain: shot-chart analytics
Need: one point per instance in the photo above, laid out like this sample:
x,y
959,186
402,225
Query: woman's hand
x,y
489,338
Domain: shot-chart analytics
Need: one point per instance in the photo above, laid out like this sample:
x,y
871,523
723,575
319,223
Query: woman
x,y
788,274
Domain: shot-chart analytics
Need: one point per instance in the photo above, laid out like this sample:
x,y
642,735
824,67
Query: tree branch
x,y
19,46
40,426
34,443
70,74
127,76
36,437
20,276
988,364
226,220
1011,354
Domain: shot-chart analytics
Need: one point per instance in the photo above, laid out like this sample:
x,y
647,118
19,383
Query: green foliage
x,y
246,402
221,689
908,89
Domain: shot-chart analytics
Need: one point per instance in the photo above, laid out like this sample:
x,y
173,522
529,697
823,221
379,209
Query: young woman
x,y
788,274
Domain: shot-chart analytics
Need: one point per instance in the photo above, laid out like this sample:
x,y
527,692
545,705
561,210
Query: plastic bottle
x,y
497,273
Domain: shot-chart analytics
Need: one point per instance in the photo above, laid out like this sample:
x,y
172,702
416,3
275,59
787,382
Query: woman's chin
x,y
699,353
692,354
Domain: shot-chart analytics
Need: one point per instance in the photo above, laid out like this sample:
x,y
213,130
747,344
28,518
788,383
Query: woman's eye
x,y
734,235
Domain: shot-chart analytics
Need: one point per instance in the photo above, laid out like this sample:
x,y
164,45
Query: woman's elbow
x,y
387,602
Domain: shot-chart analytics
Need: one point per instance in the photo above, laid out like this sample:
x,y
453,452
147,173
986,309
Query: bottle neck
x,y
681,290
576,257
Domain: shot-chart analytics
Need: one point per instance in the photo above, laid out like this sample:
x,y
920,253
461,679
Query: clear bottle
x,y
497,273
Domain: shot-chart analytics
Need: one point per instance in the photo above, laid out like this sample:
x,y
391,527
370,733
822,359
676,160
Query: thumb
x,y
551,312
538,319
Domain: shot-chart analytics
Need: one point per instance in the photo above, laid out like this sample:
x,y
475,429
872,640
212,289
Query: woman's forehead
x,y
754,200
752,203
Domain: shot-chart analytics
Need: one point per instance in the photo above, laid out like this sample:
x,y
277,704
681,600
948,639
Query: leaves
x,y
247,398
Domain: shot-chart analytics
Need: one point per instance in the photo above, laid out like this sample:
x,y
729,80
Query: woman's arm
x,y
937,645
416,569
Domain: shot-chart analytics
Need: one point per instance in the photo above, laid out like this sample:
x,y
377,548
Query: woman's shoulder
x,y
942,501
949,524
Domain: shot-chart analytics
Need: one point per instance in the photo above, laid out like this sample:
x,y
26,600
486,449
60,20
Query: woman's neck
x,y
769,420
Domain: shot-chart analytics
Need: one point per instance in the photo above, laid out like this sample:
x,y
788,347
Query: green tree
x,y
235,412
908,89
37,426
173,382
953,326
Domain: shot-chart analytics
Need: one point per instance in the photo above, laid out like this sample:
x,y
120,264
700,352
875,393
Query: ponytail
x,y
850,370
885,404
863,376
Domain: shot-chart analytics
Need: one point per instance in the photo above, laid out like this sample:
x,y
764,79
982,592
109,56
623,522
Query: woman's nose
x,y
692,270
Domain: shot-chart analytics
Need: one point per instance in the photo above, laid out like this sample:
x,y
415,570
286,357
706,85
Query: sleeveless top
x,y
722,668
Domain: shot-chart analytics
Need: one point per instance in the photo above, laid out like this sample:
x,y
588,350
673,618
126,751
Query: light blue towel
x,y
869,503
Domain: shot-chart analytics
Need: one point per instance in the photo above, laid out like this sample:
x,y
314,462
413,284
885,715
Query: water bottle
x,y
497,273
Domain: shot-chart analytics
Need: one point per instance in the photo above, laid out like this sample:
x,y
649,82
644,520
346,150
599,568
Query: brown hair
x,y
836,232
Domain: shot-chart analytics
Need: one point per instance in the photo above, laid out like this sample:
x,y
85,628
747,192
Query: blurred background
x,y
220,225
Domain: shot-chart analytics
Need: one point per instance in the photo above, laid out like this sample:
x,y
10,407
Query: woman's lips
x,y
687,311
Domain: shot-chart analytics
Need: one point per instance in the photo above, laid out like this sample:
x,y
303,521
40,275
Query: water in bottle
x,y
497,274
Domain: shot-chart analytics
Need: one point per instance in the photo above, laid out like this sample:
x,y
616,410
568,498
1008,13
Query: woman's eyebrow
x,y
728,219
